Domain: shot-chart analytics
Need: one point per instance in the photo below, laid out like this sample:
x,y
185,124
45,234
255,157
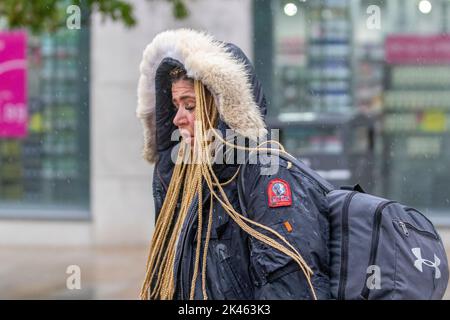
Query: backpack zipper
x,y
408,209
344,246
406,225
404,228
375,239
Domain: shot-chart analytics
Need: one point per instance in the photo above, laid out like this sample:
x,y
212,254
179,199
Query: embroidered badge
x,y
279,193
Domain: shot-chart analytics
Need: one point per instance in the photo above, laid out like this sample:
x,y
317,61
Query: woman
x,y
204,245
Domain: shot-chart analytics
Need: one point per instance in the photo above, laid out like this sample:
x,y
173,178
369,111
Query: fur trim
x,y
204,59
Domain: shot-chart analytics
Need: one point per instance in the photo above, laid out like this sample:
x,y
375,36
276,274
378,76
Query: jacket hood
x,y
222,67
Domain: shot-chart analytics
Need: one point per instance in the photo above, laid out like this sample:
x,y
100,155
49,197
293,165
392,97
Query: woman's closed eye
x,y
188,107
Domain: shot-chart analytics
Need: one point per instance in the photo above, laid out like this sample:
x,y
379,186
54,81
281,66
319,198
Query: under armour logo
x,y
420,261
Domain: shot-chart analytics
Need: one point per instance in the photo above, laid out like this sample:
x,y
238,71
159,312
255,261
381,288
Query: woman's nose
x,y
180,117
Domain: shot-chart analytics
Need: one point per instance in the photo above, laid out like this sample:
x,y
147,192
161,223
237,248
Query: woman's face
x,y
183,98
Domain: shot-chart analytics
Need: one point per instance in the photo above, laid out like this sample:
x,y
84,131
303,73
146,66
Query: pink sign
x,y
13,85
412,49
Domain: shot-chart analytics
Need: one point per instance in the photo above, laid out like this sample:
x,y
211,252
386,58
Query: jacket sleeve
x,y
304,225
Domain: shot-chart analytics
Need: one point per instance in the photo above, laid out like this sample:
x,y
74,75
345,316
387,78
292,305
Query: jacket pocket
x,y
234,285
420,262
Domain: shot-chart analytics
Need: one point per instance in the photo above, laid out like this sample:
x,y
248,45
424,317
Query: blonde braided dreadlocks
x,y
191,175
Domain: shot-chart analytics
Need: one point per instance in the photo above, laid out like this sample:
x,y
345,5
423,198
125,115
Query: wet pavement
x,y
40,273
106,273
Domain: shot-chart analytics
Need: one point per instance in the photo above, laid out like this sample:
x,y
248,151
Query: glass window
x,y
385,63
45,172
312,56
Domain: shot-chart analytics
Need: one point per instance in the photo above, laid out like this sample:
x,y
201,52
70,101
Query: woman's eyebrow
x,y
183,97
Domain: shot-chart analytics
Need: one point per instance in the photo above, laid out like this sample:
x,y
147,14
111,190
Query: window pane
x,y
363,86
46,172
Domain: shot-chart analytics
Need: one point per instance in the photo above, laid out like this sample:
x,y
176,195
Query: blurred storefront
x,y
361,89
45,162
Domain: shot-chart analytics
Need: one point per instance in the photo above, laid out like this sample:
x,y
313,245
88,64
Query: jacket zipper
x,y
162,181
344,246
183,240
375,239
181,246
237,286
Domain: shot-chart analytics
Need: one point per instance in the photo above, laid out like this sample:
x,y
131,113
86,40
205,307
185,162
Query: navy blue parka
x,y
238,265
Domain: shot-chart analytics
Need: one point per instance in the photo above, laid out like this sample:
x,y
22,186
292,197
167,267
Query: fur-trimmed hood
x,y
223,68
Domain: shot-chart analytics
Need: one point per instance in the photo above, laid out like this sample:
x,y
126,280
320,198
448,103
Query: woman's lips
x,y
186,135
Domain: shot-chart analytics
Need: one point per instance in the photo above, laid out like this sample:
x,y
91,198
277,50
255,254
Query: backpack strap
x,y
325,185
356,187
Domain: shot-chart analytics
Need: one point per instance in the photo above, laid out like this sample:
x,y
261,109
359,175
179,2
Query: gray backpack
x,y
379,249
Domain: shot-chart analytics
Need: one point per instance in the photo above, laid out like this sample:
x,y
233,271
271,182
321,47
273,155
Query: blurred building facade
x,y
78,178
358,88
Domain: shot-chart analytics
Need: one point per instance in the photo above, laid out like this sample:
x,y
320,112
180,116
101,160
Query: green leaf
x,y
179,10
49,15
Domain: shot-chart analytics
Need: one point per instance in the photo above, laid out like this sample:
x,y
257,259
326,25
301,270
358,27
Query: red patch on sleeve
x,y
279,193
